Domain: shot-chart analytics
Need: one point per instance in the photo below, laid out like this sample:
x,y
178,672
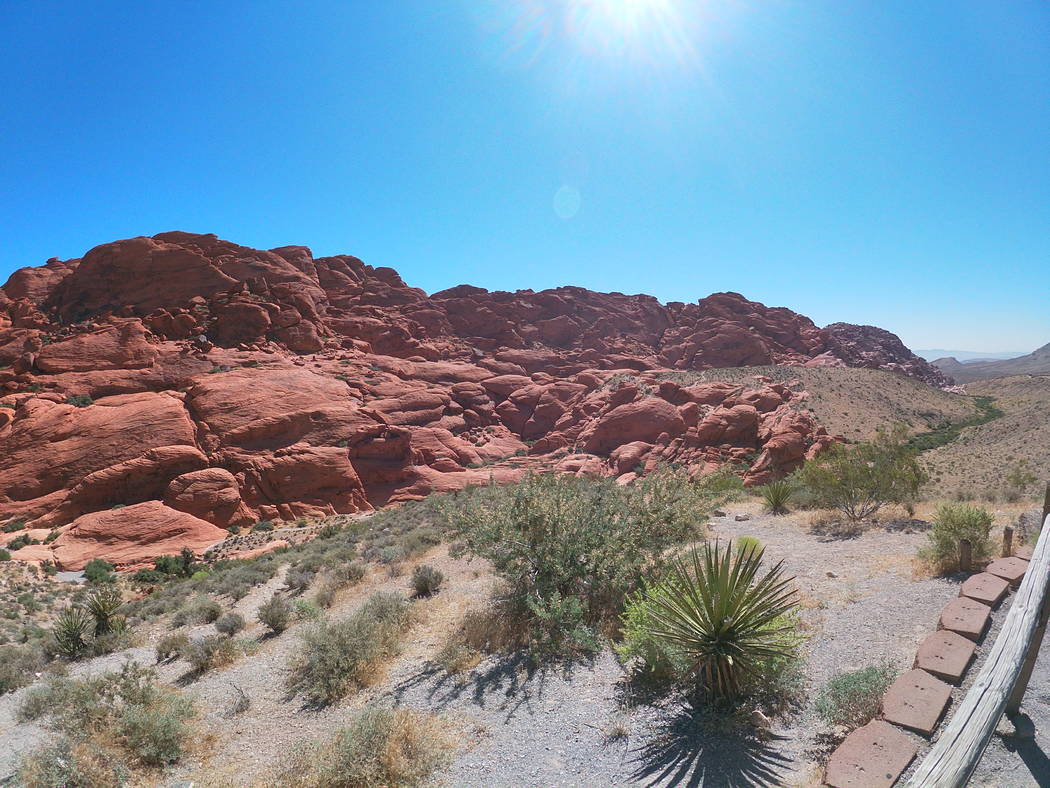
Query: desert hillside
x,y
1035,363
977,462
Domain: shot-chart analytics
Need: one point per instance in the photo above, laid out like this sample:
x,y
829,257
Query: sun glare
x,y
650,30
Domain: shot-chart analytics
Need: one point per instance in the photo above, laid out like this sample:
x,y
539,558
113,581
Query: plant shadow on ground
x,y
508,682
685,751
836,531
1026,746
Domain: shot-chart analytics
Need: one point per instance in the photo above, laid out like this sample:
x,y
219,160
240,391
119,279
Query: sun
x,y
635,29
628,15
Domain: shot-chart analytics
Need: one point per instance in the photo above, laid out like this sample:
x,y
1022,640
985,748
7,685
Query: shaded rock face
x,y
191,380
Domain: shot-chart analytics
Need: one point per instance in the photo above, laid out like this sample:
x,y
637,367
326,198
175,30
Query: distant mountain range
x,y
1035,363
966,356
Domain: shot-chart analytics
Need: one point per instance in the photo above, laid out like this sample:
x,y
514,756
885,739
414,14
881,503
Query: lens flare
x,y
652,31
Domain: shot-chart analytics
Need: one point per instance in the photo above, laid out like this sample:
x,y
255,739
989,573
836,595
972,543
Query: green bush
x,y
860,480
79,400
99,571
13,525
338,656
776,496
570,549
229,623
4,555
426,580
717,617
263,526
378,747
852,699
276,614
952,523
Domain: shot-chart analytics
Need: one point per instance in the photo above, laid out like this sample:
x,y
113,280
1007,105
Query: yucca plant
x,y
726,619
776,496
71,629
102,605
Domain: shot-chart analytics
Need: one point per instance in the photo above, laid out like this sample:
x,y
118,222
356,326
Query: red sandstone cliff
x,y
228,384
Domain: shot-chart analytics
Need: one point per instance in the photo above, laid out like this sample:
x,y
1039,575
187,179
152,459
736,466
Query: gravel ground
x,y
584,726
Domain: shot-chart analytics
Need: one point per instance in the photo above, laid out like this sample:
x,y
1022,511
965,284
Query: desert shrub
x,y
338,656
13,525
98,571
79,400
952,523
861,479
22,541
208,652
305,610
276,613
74,764
776,496
426,580
570,549
716,620
338,578
237,580
378,747
125,712
171,646
852,699
181,565
156,733
203,610
1020,477
4,555
71,632
263,526
299,578
18,665
229,623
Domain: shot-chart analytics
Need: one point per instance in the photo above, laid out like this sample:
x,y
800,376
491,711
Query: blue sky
x,y
883,162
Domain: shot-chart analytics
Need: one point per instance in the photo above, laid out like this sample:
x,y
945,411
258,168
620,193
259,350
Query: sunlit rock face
x,y
206,385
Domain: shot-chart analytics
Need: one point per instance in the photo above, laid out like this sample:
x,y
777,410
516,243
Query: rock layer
x,y
191,380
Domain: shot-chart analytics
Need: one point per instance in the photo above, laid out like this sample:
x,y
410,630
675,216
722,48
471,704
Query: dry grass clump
x,y
337,657
379,747
107,726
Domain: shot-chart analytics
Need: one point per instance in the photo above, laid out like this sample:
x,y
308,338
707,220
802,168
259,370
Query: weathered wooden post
x,y
1008,541
1001,682
965,555
1013,705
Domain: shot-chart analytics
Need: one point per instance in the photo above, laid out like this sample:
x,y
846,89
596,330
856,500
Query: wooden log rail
x,y
1002,681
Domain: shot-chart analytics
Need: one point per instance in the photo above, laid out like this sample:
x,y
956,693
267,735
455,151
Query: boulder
x,y
132,537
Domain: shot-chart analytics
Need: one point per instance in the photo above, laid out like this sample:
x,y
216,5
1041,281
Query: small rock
x,y
718,513
742,517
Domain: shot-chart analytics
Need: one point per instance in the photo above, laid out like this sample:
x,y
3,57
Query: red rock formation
x,y
232,384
